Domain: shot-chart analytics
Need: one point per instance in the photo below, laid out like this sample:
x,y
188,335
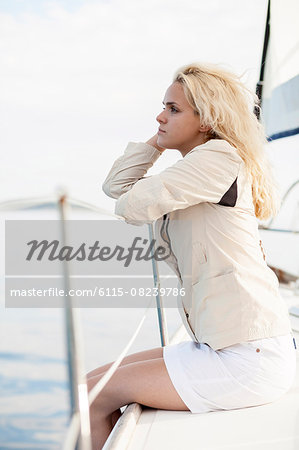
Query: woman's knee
x,y
135,357
145,382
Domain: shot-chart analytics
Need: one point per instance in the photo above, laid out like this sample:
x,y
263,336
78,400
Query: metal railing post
x,y
76,373
159,301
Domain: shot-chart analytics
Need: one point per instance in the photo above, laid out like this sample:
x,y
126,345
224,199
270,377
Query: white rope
x,y
72,433
73,429
104,380
40,201
18,203
87,205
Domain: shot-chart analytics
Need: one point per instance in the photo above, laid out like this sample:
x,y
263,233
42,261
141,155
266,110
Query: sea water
x,y
35,404
35,394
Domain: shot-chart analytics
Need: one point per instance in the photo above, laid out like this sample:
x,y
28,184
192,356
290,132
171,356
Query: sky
x,y
80,79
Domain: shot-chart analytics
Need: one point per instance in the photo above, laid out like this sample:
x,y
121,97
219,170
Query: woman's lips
x,y
161,131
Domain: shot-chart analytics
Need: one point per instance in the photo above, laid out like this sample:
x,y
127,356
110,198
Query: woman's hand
x,y
153,141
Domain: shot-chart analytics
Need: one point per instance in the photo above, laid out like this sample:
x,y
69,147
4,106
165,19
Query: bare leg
x,y
139,356
145,382
153,353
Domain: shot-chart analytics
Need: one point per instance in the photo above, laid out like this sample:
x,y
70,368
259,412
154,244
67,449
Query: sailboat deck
x,y
273,426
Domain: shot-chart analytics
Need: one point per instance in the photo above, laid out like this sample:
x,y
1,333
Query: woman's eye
x,y
172,109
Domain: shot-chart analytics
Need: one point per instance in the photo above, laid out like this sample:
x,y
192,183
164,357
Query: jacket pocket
x,y
217,288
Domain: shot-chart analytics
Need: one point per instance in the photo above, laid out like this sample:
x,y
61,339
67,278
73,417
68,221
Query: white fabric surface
x,y
241,375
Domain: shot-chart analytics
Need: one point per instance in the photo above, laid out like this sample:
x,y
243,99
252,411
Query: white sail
x,y
280,99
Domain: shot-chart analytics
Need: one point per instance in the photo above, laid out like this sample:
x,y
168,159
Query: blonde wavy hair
x,y
225,104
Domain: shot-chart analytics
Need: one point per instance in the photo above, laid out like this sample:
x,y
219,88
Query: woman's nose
x,y
161,117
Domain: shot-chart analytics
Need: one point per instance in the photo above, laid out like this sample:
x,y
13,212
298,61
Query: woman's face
x,y
179,127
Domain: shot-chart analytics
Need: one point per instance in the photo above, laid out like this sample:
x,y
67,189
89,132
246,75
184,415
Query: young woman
x,y
242,352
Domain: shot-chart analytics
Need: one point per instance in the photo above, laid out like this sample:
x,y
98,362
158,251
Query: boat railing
x,y
78,434
284,198
287,279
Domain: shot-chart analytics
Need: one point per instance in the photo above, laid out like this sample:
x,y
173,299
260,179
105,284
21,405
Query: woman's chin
x,y
161,141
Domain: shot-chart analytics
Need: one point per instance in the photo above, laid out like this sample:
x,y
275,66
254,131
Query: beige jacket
x,y
233,295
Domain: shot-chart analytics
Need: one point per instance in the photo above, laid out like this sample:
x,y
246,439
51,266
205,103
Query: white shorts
x,y
242,375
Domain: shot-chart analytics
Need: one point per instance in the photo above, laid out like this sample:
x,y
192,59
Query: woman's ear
x,y
204,128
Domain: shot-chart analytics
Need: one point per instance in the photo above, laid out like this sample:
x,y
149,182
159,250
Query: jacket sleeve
x,y
204,175
129,168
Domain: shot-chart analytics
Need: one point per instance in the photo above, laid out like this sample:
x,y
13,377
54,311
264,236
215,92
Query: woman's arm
x,y
131,167
205,174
